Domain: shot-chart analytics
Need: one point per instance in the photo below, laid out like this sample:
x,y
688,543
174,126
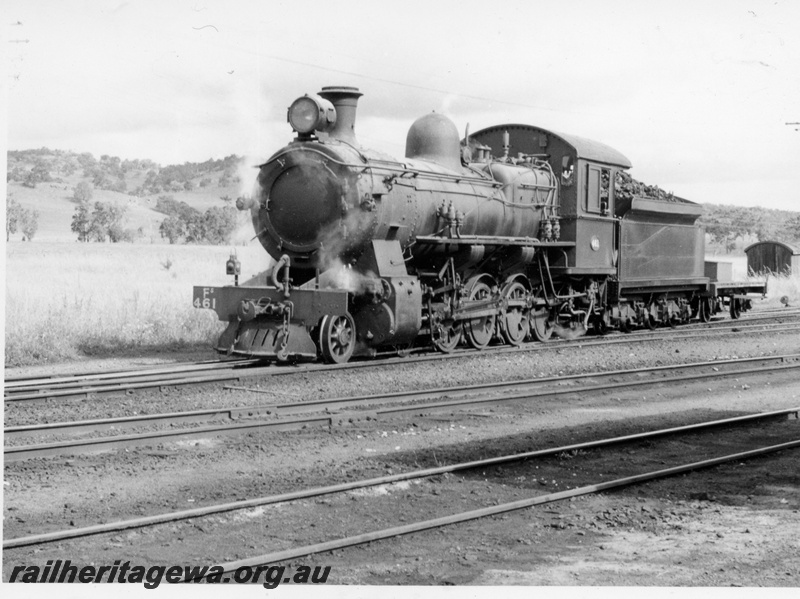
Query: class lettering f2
x,y
269,576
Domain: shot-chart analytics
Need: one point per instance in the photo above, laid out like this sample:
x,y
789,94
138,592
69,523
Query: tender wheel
x,y
542,323
515,322
447,336
337,338
651,322
480,330
736,308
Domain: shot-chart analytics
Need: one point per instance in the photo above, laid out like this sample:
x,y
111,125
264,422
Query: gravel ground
x,y
733,525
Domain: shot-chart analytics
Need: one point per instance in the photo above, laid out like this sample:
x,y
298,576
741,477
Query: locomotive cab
x,y
586,170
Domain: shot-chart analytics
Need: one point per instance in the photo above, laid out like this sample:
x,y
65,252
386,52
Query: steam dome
x,y
434,138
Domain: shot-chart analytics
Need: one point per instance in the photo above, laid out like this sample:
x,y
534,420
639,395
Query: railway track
x,y
303,551
406,528
38,387
32,389
14,382
330,412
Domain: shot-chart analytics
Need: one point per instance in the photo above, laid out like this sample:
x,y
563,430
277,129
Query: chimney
x,y
345,100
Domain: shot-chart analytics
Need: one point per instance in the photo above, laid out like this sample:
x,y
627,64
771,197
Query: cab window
x,y
598,190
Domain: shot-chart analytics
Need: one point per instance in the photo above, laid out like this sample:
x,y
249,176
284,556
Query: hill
x,y
732,228
45,180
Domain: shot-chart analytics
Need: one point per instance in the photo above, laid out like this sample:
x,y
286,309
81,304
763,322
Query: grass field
x,y
68,300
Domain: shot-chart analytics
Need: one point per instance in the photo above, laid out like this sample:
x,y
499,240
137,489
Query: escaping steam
x,y
341,237
344,276
337,240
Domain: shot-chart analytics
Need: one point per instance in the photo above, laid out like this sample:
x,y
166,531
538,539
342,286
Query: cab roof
x,y
583,148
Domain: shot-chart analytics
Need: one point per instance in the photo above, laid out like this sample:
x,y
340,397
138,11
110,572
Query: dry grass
x,y
68,300
779,286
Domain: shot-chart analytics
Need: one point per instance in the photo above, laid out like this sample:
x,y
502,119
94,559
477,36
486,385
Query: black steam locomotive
x,y
512,233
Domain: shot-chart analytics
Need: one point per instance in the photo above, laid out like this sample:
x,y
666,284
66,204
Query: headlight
x,y
311,113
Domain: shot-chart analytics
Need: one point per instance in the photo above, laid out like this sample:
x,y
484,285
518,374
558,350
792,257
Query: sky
x,y
696,94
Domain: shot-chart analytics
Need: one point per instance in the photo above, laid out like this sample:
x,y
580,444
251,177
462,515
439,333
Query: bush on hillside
x,y
83,192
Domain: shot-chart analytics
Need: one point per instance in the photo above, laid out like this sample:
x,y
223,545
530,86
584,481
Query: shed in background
x,y
772,256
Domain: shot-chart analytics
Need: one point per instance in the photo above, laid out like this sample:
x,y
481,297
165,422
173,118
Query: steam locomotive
x,y
511,233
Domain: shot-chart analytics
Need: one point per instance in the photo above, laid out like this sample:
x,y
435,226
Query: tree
x,y
119,185
220,223
172,228
195,228
764,231
29,223
20,219
86,160
117,233
214,226
39,174
793,226
106,222
720,231
13,214
16,174
83,192
100,178
68,168
81,221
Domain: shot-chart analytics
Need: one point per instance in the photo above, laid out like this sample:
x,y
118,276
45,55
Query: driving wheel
x,y
515,321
